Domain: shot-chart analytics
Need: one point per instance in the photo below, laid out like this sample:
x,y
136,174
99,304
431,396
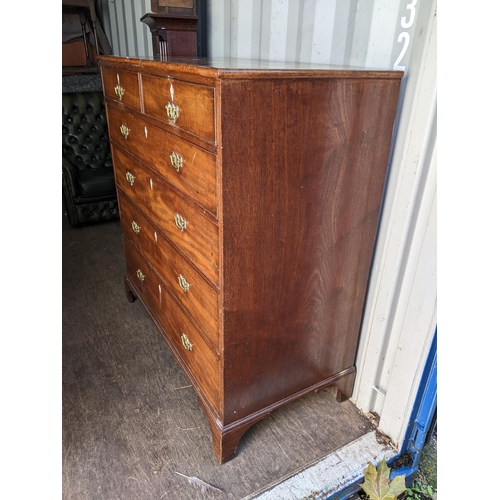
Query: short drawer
x,y
186,166
188,106
180,219
199,360
122,86
143,278
192,291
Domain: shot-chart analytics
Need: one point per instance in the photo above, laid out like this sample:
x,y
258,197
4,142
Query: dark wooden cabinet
x,y
173,35
249,198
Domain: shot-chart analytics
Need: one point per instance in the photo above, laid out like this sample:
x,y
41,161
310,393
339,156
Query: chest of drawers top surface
x,y
228,67
249,196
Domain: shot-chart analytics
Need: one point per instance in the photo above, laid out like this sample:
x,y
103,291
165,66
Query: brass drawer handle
x,y
135,227
180,222
124,130
186,343
183,283
140,275
130,178
172,111
176,161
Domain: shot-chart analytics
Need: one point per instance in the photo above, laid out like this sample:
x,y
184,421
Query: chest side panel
x,y
303,168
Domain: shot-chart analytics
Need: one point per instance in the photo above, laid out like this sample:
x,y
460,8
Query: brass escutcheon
x,y
135,227
124,130
185,342
176,161
183,283
180,222
140,275
172,111
119,91
130,178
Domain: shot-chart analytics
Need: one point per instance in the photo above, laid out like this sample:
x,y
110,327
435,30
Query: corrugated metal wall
x,y
400,312
127,35
360,33
401,308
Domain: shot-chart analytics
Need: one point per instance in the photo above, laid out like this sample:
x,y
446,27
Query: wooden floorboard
x,y
132,423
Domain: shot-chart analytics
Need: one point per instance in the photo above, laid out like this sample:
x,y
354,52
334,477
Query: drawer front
x,y
181,220
188,167
197,357
143,278
192,291
188,106
186,343
122,86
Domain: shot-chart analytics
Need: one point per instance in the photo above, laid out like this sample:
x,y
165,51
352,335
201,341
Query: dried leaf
x,y
396,487
370,484
377,484
201,484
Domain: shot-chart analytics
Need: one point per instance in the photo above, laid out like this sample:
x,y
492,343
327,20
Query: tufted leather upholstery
x,y
88,179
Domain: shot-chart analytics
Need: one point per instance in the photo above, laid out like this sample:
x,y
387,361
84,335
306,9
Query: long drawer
x,y
185,105
180,219
199,361
191,290
188,167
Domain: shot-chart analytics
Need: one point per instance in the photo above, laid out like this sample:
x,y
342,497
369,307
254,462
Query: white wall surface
x,y
357,33
401,309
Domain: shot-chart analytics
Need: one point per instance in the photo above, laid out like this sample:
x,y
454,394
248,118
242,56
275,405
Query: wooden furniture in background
x,y
77,56
82,54
173,35
175,7
249,197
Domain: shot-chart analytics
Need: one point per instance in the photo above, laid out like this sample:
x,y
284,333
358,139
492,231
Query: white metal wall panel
x,y
360,33
127,35
400,312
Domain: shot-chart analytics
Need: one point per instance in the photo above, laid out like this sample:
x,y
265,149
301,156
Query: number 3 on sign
x,y
405,36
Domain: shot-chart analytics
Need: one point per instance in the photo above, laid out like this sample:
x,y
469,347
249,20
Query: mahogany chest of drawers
x,y
249,197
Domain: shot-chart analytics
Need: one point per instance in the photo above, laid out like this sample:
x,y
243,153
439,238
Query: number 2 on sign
x,y
405,36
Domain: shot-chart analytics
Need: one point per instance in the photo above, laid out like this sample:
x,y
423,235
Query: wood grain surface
x,y
154,145
200,301
301,193
196,104
160,202
128,81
